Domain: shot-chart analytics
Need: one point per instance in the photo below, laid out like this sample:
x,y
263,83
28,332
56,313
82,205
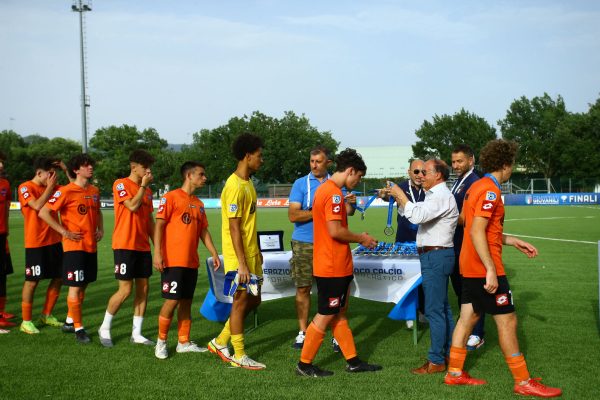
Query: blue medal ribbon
x,y
367,204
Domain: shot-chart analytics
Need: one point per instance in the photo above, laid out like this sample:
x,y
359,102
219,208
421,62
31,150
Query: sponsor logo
x,y
82,209
25,195
23,189
116,268
122,193
490,196
165,287
233,208
161,209
502,299
334,302
252,208
120,186
186,218
28,271
57,193
52,200
486,206
336,209
336,199
70,276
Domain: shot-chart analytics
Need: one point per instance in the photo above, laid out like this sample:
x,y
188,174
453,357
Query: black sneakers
x,y
82,337
312,371
68,327
363,367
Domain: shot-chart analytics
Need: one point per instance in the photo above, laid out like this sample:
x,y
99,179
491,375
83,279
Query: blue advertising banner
x,y
551,199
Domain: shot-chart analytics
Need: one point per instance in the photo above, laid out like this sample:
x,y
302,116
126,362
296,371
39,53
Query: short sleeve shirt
x,y
238,200
37,232
303,192
331,258
79,212
5,199
131,227
483,199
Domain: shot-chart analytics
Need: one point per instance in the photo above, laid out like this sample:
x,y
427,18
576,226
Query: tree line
x,y
553,142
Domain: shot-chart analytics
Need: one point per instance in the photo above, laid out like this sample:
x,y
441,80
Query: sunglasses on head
x,y
418,171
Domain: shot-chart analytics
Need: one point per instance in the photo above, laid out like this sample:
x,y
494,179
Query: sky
x,y
370,72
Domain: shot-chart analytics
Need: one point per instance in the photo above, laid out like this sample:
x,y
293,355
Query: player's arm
x,y
38,203
45,215
479,238
159,231
151,227
100,227
297,214
235,229
461,219
136,201
208,242
342,234
524,247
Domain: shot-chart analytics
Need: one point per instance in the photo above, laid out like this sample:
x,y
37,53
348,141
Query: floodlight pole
x,y
81,8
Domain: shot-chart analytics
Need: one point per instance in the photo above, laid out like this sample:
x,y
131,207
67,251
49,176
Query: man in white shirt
x,y
437,217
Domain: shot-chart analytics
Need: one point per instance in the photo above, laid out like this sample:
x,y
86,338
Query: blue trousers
x,y
436,268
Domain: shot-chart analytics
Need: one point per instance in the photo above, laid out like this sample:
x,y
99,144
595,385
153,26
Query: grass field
x,y
556,296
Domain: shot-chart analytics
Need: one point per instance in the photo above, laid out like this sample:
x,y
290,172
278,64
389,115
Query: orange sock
x,y
26,311
183,330
518,367
312,342
458,355
163,327
51,297
342,333
74,306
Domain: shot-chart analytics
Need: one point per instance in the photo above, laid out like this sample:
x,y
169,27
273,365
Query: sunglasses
x,y
419,171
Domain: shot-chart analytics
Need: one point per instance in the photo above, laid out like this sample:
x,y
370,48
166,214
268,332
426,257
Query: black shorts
x,y
178,283
332,294
43,262
130,264
6,267
500,302
79,268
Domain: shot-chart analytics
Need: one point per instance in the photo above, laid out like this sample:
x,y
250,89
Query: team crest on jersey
x,y
122,193
163,200
57,194
120,186
490,196
186,218
502,300
23,189
336,209
233,208
336,199
82,209
334,302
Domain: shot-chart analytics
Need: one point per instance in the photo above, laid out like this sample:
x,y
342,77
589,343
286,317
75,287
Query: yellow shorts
x,y
253,263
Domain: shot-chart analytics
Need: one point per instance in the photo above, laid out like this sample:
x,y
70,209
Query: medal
x,y
388,228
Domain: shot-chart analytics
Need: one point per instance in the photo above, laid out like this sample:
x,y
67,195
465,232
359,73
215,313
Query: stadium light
x,y
80,7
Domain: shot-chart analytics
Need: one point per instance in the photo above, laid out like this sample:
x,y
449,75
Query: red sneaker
x,y
534,388
6,315
463,379
4,323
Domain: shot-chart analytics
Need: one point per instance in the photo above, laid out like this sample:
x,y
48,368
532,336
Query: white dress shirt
x,y
436,216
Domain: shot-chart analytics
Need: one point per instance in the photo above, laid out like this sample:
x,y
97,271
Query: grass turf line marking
x,y
546,238
542,218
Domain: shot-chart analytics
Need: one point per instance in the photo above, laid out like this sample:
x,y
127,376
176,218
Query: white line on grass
x,y
540,218
546,238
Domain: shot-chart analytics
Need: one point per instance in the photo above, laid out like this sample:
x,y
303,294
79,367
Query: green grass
x,y
556,296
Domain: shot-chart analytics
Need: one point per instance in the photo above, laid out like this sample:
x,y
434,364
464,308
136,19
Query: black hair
x,y
350,158
188,166
463,148
246,143
141,157
45,163
78,161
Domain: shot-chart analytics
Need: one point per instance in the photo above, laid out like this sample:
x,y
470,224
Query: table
x,y
390,279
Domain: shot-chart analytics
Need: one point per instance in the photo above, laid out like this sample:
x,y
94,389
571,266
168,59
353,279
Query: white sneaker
x,y
474,342
160,351
299,342
221,351
2,331
141,340
247,363
105,339
410,323
190,347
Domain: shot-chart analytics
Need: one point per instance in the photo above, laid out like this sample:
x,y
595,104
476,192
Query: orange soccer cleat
x,y
463,379
533,387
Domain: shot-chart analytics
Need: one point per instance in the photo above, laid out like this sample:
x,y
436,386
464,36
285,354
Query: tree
x,y
438,138
534,124
18,163
287,146
111,146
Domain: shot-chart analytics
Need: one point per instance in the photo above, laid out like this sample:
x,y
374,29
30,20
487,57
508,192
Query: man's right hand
x,y
158,262
491,282
243,274
368,241
147,178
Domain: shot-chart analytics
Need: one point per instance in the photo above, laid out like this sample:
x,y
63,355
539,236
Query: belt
x,y
426,249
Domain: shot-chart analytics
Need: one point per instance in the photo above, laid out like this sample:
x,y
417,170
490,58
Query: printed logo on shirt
x,y
334,302
52,200
252,208
186,218
82,209
25,195
502,300
336,209
233,208
23,189
163,200
95,198
70,276
161,209
490,196
486,206
336,199
165,287
120,186
57,194
28,271
122,193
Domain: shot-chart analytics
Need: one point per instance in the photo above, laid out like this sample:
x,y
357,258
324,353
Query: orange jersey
x,y
186,220
331,258
79,211
5,198
37,232
131,228
482,200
